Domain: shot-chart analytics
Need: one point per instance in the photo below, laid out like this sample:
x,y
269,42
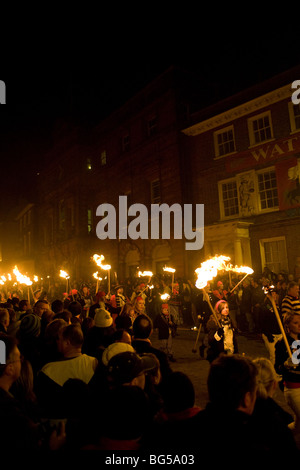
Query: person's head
x,y
293,289
142,327
40,307
140,304
128,368
70,338
221,307
291,323
75,308
30,327
11,368
126,414
57,306
267,378
102,318
115,348
165,309
51,332
121,336
220,285
4,318
24,305
184,397
232,383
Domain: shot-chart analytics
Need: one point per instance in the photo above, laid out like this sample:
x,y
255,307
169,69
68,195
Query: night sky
x,y
88,77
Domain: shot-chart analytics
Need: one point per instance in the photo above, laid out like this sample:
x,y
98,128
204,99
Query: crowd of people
x,y
81,371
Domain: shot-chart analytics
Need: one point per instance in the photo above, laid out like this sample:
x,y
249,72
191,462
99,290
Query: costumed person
x,y
139,305
268,325
222,338
203,315
120,297
166,326
289,368
219,293
86,298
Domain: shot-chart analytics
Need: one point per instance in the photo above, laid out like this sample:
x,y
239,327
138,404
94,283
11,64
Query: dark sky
x,y
93,74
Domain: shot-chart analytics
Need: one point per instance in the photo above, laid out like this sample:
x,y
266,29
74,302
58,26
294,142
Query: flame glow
x,y
97,277
145,273
21,278
64,274
209,269
169,270
164,296
98,260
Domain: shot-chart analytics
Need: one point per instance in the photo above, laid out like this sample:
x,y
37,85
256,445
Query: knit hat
x,y
218,305
125,366
114,349
102,318
30,325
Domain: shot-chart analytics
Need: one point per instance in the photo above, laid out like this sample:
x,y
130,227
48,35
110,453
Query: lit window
x,y
260,128
294,110
229,195
267,188
224,141
273,254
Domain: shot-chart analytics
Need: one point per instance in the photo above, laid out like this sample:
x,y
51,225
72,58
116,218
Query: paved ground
x,y
197,368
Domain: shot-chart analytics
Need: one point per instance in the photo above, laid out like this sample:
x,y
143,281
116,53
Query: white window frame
x,y
216,144
268,209
251,120
263,256
291,108
220,189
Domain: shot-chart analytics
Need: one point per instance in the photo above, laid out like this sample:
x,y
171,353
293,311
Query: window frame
x,y
251,120
268,209
262,242
216,144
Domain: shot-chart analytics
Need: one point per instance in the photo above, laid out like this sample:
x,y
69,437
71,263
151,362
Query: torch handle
x,y
280,325
211,307
238,283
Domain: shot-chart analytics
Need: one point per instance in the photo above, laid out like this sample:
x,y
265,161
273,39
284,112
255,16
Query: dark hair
x,y
178,392
75,308
73,333
142,326
57,306
229,379
292,284
22,304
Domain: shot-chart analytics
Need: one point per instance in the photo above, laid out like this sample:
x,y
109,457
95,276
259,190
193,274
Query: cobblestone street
x,y
197,368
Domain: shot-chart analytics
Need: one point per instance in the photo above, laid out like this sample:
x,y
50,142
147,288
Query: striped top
x,y
290,304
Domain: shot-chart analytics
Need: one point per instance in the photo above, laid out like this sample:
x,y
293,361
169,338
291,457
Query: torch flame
x,y
145,273
98,260
209,269
21,278
169,270
164,296
97,277
64,274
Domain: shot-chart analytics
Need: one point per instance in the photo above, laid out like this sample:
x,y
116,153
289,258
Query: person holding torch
x,y
222,336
